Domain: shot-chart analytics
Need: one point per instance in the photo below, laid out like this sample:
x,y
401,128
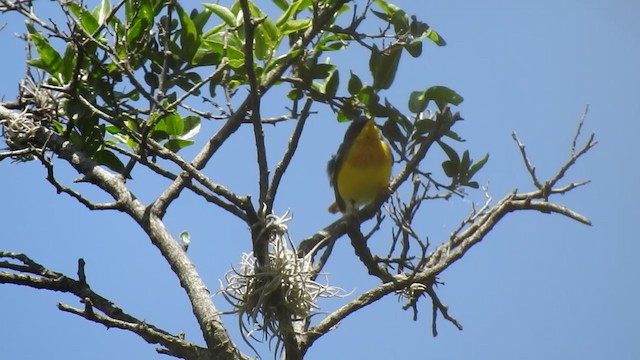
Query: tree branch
x,y
32,274
282,166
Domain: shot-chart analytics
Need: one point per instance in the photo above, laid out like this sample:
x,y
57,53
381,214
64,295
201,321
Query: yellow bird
x,y
361,169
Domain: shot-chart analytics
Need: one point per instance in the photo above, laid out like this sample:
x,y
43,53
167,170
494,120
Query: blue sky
x,y
538,287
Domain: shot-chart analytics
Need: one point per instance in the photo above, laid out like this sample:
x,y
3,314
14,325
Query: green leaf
x,y
414,48
453,135
355,84
108,159
424,126
450,168
331,84
417,101
68,62
420,29
262,44
191,127
383,66
290,12
294,25
392,131
387,7
477,166
472,184
176,144
395,115
271,29
216,43
295,94
88,22
435,37
189,39
381,15
103,11
282,4
174,124
136,31
465,163
223,13
49,61
441,95
451,153
367,95
321,71
200,19
146,10
400,22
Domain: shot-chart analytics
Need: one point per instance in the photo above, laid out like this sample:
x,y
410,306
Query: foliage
x,y
123,86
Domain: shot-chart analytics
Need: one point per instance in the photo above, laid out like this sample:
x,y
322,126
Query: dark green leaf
x,y
477,166
392,131
152,80
191,127
441,95
472,184
382,15
355,84
108,159
383,66
453,135
176,144
321,71
414,48
68,62
451,153
400,22
331,84
465,163
450,168
417,101
395,115
424,126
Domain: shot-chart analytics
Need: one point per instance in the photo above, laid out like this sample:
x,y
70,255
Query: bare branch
x,y
69,191
254,97
578,130
530,168
288,155
43,278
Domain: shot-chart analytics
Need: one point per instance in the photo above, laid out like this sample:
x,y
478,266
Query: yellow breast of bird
x,y
366,169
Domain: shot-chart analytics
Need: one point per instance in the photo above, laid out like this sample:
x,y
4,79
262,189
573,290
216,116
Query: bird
x,y
361,169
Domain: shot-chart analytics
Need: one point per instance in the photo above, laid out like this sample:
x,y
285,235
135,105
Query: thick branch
x,y
215,334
